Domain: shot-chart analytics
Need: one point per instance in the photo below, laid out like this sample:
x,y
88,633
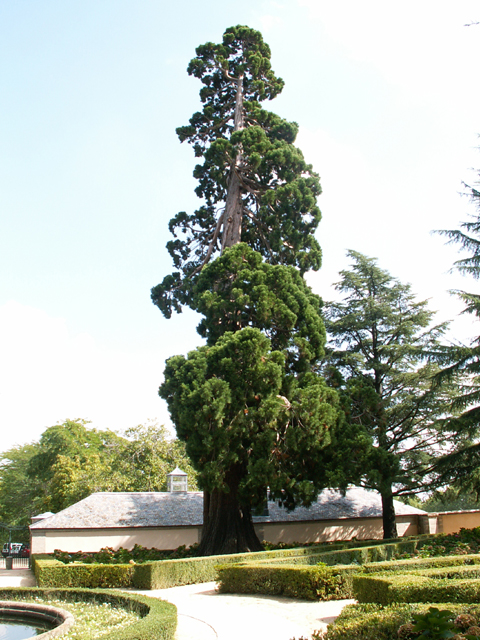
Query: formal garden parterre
x,y
393,581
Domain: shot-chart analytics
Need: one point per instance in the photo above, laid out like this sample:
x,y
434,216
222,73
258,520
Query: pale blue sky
x,y
387,99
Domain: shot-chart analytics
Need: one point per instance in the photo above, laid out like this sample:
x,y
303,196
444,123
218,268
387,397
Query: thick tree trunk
x,y
389,522
227,526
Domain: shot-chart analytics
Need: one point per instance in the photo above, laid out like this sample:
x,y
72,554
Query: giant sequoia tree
x,y
254,184
251,411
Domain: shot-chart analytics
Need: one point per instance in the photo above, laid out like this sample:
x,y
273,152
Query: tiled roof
x,y
142,509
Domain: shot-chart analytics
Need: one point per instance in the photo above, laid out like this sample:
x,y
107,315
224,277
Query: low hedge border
x,y
329,582
307,583
414,588
376,622
158,618
169,573
53,573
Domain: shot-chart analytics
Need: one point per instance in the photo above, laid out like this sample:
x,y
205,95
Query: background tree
x,y
462,465
72,461
147,455
381,343
17,493
254,183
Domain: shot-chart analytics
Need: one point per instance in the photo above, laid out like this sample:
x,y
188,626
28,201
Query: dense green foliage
x,y
306,583
72,461
381,342
158,619
462,466
254,183
240,290
248,406
233,393
376,622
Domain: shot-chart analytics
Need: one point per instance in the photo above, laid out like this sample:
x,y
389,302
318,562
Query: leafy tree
x,y
450,499
145,458
244,435
254,183
65,456
381,343
17,493
239,290
71,461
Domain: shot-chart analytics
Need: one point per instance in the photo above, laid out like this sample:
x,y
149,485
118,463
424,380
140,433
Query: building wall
x,y
46,541
453,521
333,530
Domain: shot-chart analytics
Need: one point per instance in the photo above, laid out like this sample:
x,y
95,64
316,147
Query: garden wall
x,y
90,540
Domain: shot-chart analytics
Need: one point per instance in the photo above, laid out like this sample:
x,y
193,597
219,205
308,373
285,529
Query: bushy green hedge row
x,y
149,575
307,583
441,585
169,573
158,618
271,577
52,573
376,622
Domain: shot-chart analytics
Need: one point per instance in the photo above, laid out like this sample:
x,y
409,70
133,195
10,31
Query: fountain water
x,y
23,620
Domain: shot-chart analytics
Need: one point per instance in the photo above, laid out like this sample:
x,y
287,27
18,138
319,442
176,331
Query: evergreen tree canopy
x,y
239,290
381,343
241,433
462,464
254,183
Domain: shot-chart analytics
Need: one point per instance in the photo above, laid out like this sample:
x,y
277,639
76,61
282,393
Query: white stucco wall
x,y
88,540
332,530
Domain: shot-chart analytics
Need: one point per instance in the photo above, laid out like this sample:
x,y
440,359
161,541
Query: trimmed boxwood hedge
x,y
419,586
158,618
307,583
168,573
376,622
52,573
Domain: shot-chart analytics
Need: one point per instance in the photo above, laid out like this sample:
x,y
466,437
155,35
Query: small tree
x,y
381,343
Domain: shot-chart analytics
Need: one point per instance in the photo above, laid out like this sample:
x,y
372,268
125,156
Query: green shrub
x,y
375,622
158,618
307,583
415,587
53,573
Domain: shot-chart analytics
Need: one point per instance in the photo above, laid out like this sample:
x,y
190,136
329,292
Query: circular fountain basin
x,y
34,617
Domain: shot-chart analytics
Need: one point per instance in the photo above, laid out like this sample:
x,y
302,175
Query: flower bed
x,y
150,619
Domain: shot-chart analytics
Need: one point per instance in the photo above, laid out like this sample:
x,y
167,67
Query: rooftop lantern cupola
x,y
177,481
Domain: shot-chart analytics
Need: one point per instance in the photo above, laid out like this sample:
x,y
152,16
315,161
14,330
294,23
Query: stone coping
x,y
61,618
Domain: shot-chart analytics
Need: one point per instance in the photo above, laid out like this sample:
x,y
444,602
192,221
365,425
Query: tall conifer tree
x,y
254,183
382,341
248,405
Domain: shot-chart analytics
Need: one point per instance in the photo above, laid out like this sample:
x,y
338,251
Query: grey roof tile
x,y
143,509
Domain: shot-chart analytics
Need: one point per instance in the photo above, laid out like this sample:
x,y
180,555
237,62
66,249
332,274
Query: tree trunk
x,y
232,224
227,526
389,522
